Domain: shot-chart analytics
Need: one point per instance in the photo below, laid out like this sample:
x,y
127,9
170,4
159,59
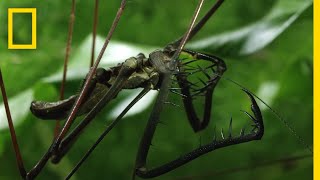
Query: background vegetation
x,y
267,46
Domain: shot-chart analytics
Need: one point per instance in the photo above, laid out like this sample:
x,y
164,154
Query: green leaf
x,y
19,106
252,38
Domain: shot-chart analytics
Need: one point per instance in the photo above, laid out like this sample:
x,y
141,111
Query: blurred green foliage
x,y
285,62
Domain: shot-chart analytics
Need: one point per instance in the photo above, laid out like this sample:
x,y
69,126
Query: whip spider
x,y
174,136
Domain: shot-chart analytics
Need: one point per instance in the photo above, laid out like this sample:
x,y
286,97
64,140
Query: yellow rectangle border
x,y
33,44
316,90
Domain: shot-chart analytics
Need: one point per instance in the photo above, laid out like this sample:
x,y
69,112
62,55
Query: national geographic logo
x,y
22,11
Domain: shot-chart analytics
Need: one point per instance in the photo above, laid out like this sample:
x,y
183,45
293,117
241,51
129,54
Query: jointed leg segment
x,y
196,123
255,134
